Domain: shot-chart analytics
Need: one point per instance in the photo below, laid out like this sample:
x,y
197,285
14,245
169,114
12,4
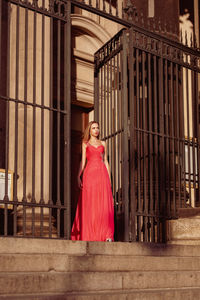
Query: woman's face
x,y
94,130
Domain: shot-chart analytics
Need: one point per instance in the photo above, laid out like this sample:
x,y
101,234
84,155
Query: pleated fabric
x,y
94,220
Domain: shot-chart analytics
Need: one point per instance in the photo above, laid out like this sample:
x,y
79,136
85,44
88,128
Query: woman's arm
x,y
106,158
83,162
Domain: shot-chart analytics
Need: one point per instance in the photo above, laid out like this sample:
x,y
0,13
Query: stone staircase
x,y
56,269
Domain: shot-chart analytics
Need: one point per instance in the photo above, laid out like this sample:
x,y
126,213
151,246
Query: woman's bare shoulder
x,y
84,144
103,143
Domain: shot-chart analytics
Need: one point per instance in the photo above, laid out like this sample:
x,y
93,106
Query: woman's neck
x,y
93,139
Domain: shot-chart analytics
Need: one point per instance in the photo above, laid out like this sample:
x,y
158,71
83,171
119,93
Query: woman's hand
x,y
80,184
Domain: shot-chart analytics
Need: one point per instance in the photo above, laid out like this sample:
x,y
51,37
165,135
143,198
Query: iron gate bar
x,y
194,134
58,122
33,200
125,176
161,162
7,125
188,131
198,131
183,143
67,122
167,132
42,125
16,104
149,93
118,136
51,129
178,134
24,199
132,139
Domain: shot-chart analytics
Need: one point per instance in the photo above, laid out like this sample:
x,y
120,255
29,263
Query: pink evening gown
x,y
94,220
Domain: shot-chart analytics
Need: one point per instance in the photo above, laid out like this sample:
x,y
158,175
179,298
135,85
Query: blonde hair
x,y
86,135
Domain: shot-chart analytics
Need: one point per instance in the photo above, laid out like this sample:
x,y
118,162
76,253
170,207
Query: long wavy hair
x,y
86,135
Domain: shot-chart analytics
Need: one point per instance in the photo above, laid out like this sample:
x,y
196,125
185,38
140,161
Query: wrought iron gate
x,y
35,107
147,102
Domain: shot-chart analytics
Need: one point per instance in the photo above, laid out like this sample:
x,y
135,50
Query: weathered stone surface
x,y
185,231
59,282
29,245
97,270
95,281
100,263
143,249
151,294
55,246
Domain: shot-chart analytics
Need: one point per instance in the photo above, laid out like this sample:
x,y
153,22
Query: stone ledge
x,y
94,263
37,245
150,294
56,282
9,245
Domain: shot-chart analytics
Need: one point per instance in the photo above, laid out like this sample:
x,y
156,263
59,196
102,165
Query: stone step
x,y
92,263
63,282
151,294
55,246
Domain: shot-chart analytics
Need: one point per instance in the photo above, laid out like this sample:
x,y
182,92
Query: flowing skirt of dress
x,y
94,220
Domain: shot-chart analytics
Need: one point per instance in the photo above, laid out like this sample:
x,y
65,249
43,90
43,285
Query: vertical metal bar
x,y
1,38
178,99
132,135
194,132
96,89
118,134
145,150
182,127
125,138
33,200
102,99
168,187
198,132
6,198
139,196
111,119
16,105
67,121
188,131
162,159
104,108
58,202
110,11
108,103
156,142
51,127
25,120
42,123
151,181
114,129
173,162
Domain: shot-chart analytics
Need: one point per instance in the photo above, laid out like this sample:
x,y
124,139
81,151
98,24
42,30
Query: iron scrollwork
x,y
54,8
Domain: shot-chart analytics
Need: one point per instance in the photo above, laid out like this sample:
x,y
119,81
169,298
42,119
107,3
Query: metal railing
x,y
155,82
35,162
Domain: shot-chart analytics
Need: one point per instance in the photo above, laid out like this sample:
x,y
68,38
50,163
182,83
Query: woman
x,y
94,220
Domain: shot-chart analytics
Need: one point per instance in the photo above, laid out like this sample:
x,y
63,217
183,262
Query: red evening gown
x,y
94,220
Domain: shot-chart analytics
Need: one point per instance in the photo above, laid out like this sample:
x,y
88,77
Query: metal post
x,y
125,180
67,121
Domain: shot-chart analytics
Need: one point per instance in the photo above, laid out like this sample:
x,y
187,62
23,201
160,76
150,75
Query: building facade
x,y
50,76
